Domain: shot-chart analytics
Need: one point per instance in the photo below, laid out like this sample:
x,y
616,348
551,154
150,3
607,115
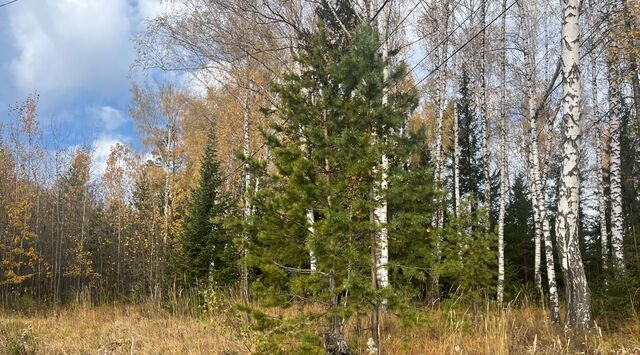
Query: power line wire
x,y
8,3
591,33
379,10
463,45
445,40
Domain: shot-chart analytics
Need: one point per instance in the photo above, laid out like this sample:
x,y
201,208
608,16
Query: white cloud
x,y
149,9
100,150
71,46
111,117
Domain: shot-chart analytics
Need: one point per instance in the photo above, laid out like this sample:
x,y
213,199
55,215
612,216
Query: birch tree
x,y
381,211
503,120
538,201
614,77
577,291
600,172
483,108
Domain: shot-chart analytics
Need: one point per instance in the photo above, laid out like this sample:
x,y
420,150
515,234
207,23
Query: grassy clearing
x,y
149,329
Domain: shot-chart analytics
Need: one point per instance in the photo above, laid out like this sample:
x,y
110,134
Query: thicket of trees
x,y
323,167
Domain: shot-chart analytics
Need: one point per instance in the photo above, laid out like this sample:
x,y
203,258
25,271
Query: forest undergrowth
x,y
185,325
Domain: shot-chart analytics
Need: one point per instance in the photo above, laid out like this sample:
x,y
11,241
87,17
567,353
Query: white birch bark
x,y
456,162
310,228
615,113
310,214
577,291
381,211
483,112
167,182
441,82
244,269
534,159
538,201
440,104
602,200
503,115
554,301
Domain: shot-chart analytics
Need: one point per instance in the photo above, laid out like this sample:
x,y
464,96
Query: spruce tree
x,y
206,251
470,162
519,251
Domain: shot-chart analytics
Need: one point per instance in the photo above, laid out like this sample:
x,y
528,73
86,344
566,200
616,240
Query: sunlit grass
x,y
149,328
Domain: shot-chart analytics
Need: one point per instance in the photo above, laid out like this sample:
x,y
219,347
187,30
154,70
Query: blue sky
x,y
76,54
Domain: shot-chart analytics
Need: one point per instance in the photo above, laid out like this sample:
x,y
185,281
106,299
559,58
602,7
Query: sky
x,y
77,55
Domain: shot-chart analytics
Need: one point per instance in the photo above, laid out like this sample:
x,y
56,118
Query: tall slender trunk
x,y
503,120
118,260
602,200
483,112
167,184
441,82
381,211
82,223
615,132
244,270
456,161
577,291
554,301
534,159
440,104
633,59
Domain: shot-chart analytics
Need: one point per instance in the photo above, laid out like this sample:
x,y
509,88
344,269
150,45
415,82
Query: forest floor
x,y
148,329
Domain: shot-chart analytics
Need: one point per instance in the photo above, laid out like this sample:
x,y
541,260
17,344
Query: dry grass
x,y
521,330
148,329
111,330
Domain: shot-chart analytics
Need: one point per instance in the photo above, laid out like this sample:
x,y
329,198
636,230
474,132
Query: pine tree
x,y
206,251
334,129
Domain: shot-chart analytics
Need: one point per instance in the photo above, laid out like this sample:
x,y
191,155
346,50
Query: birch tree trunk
x,y
244,268
615,117
167,184
381,211
311,221
602,200
554,301
577,291
534,159
483,111
441,82
503,115
456,163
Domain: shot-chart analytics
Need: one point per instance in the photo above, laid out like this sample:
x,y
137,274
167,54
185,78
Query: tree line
x,y
326,166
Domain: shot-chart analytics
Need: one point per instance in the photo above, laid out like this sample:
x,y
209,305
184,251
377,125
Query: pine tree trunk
x,y
577,291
